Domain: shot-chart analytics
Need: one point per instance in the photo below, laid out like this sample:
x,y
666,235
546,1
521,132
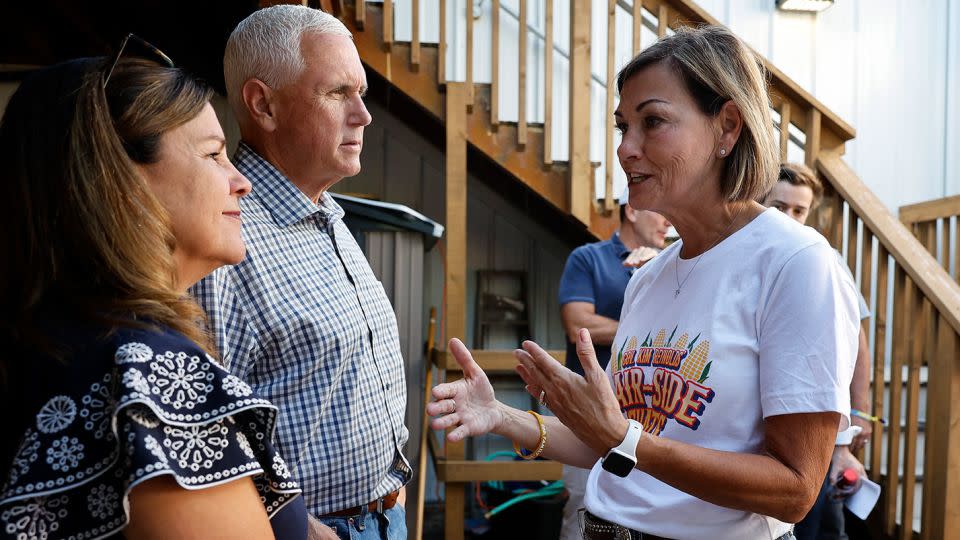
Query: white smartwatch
x,y
622,459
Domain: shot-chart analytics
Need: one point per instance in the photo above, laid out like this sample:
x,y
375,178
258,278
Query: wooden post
x,y
454,311
442,45
852,242
811,149
945,244
608,154
522,77
495,64
918,307
581,177
663,19
943,395
866,278
425,432
360,12
637,25
879,356
784,130
469,60
388,24
415,35
956,252
548,84
902,297
835,229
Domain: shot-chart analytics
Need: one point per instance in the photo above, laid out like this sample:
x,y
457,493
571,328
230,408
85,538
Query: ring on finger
x,y
543,398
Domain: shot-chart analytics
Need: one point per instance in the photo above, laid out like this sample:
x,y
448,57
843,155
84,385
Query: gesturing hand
x,y
468,403
585,404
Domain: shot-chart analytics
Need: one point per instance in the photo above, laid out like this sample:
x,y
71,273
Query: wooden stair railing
x,y
925,326
924,218
915,302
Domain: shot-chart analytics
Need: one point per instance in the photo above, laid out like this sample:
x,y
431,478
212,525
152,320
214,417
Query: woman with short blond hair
x,y
717,414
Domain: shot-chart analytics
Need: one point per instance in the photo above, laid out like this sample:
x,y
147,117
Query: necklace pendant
x,y
676,293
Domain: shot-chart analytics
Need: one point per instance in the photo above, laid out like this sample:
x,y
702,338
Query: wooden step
x,y
483,471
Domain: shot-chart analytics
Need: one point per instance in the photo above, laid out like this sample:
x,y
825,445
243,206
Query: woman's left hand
x,y
585,404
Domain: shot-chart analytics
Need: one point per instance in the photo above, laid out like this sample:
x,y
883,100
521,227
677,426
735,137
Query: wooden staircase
x,y
915,301
519,150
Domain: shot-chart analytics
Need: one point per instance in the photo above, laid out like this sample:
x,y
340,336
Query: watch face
x,y
618,464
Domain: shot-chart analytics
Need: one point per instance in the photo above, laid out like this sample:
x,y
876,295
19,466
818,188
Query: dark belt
x,y
595,528
380,505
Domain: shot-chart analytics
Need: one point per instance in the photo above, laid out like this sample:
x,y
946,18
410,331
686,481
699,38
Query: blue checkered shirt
x,y
305,322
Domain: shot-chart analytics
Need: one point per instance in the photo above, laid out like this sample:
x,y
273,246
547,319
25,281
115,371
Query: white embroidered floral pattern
x,y
236,387
196,447
133,353
70,452
181,381
280,467
151,444
103,501
65,453
135,380
56,415
245,445
25,456
35,518
98,407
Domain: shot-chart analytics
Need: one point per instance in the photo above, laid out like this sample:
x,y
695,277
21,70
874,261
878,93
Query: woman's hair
x,y
85,239
266,45
798,174
717,67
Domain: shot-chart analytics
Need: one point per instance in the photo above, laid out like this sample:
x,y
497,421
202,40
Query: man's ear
x,y
731,124
260,102
629,214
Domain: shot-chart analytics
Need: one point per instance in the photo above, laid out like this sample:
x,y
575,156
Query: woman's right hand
x,y
468,403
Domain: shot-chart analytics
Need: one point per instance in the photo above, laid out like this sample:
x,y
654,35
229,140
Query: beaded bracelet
x,y
543,440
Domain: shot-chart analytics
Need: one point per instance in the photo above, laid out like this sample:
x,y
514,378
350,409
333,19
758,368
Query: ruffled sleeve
x,y
160,406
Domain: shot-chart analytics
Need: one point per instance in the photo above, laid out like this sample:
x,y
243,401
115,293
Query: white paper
x,y
862,501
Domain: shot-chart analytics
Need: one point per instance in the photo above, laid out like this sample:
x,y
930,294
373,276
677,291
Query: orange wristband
x,y
543,440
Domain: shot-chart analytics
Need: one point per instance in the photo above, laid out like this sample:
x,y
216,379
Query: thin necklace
x,y
676,265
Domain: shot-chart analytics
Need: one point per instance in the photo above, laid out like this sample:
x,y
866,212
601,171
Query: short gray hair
x,y
266,45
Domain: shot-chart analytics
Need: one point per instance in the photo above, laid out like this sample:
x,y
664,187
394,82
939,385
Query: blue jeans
x,y
391,525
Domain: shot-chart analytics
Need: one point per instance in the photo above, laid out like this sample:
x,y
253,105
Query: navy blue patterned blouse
x,y
121,410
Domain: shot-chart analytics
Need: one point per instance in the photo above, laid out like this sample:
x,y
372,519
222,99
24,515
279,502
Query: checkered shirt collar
x,y
278,195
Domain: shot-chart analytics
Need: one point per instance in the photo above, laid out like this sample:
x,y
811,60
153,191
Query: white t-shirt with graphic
x,y
765,324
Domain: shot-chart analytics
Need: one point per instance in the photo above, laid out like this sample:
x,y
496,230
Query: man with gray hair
x,y
303,319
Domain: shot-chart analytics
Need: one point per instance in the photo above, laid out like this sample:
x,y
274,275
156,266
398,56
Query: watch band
x,y
628,445
623,459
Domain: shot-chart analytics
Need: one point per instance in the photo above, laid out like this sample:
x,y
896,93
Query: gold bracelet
x,y
543,440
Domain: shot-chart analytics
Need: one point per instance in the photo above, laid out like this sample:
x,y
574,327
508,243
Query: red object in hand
x,y
848,479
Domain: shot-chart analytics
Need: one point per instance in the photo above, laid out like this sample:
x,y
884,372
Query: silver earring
x,y
723,152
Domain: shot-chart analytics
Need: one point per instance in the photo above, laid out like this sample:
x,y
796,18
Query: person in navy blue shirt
x,y
591,296
595,276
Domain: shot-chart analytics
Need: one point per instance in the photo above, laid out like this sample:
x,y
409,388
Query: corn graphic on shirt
x,y
766,325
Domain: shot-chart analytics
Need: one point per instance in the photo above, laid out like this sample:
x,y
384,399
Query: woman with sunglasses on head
x,y
117,195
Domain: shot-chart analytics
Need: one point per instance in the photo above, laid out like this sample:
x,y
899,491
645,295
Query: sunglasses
x,y
134,46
